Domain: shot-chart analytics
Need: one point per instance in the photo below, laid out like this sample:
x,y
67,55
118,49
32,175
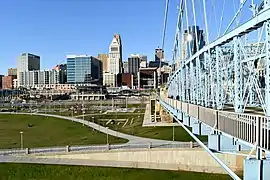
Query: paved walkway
x,y
132,139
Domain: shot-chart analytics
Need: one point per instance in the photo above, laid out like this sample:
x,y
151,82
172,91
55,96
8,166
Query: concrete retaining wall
x,y
173,159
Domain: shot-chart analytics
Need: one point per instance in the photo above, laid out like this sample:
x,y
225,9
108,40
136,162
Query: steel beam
x,y
251,25
267,73
238,104
219,78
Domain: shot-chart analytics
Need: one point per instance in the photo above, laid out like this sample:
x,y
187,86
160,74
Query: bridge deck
x,y
252,128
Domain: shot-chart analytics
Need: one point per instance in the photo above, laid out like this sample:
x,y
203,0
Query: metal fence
x,y
65,149
251,128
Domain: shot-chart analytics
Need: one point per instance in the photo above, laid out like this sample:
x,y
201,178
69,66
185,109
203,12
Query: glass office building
x,y
83,69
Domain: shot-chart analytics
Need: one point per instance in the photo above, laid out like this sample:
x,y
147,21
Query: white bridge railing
x,y
251,128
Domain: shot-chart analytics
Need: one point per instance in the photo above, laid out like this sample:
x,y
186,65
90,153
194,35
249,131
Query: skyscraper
x,y
26,62
115,55
134,64
125,67
104,59
143,63
83,69
62,69
159,54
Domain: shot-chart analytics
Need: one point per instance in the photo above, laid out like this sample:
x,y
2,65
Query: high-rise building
x,y
134,61
143,63
159,54
62,69
83,69
147,78
12,71
125,66
26,62
40,77
104,59
115,55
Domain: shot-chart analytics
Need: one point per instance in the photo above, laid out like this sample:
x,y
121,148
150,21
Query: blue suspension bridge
x,y
220,83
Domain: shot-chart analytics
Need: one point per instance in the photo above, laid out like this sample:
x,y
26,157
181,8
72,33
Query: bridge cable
x,y
221,19
215,16
163,39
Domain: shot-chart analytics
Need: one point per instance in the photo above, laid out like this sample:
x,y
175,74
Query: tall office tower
x,y
134,61
125,66
26,62
159,54
104,58
143,63
83,69
115,55
62,69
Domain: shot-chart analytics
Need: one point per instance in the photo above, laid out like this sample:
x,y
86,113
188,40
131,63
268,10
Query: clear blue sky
x,y
55,28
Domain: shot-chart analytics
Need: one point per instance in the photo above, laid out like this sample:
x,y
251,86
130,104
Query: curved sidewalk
x,y
132,139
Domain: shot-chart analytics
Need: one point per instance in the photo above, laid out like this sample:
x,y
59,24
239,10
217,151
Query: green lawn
x,y
51,172
39,131
165,133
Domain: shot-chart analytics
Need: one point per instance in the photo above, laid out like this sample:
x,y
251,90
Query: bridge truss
x,y
220,85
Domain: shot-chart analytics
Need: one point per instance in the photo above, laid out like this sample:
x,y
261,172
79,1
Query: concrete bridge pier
x,y
240,146
196,126
179,115
186,120
228,144
199,128
219,142
205,130
256,169
214,141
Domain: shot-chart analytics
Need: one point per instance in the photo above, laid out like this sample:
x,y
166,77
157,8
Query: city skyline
x,y
61,38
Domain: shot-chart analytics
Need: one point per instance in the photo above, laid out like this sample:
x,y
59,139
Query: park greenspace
x,y
40,131
129,123
36,171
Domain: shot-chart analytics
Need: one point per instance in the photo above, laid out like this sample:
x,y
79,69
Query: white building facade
x,y
26,62
115,55
109,79
30,79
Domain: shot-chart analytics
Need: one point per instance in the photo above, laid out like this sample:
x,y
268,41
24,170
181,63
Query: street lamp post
x,y
93,122
107,135
173,132
101,99
83,111
21,139
60,107
112,104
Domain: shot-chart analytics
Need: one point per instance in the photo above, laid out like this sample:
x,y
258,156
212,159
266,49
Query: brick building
x,y
7,82
127,80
